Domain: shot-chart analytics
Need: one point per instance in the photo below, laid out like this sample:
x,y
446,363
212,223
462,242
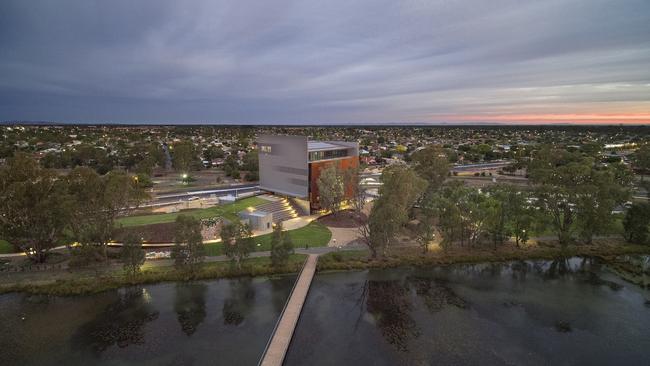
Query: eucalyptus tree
x,y
98,202
401,188
188,251
432,164
331,189
35,208
237,240
522,215
636,223
576,193
357,193
133,256
281,246
597,199
184,156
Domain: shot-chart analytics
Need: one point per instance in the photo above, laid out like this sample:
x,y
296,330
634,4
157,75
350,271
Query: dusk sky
x,y
325,61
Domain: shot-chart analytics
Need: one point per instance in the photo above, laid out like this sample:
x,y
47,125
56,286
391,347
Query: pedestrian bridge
x,y
278,345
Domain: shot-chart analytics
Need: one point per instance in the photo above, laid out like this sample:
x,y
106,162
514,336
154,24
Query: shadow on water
x,y
390,305
436,293
240,302
122,323
391,302
190,305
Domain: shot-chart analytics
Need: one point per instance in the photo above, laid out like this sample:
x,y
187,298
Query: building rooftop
x,y
321,146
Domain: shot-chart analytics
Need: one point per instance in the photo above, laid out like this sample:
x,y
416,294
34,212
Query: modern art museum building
x,y
290,165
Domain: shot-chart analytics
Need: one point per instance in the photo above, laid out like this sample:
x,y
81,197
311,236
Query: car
x,y
157,255
194,198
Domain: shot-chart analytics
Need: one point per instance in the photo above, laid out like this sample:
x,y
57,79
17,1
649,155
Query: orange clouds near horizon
x,y
578,118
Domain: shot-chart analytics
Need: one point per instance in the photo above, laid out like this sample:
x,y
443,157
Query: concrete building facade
x,y
290,165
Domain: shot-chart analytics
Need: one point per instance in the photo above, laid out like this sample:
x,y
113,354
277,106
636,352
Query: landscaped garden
x,y
314,234
227,211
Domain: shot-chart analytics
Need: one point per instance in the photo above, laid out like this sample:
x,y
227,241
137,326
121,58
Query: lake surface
x,y
570,312
198,323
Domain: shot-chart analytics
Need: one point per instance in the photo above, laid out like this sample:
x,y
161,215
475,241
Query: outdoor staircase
x,y
281,209
300,210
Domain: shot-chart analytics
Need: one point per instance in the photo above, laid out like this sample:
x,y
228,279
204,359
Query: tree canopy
x,y
35,207
188,251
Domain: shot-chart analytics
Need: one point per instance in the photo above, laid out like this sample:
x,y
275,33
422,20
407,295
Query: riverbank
x,y
69,283
85,283
360,259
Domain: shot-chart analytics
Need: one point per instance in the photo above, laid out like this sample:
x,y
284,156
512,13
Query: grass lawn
x,y
228,211
314,234
5,247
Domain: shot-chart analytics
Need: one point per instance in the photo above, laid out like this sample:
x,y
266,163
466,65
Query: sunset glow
x,y
326,62
632,118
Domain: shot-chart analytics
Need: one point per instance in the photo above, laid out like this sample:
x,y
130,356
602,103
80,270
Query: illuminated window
x,y
265,148
327,154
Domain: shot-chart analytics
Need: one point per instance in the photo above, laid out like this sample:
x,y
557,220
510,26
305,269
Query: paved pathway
x,y
342,236
223,258
281,338
292,224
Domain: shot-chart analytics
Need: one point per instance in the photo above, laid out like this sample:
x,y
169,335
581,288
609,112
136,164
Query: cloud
x,y
310,61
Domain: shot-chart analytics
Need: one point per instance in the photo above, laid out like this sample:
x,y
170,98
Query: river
x,y
570,312
197,323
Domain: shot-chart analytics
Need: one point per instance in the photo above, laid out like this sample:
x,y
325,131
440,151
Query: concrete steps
x,y
281,210
300,210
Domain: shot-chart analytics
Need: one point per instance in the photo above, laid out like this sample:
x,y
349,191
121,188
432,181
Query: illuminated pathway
x,y
281,337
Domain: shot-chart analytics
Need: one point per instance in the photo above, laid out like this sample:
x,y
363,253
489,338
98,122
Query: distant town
x,y
97,210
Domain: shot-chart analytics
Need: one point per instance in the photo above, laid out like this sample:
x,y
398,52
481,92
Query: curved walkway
x,y
292,224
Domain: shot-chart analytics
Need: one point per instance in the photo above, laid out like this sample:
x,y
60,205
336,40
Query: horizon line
x,y
334,124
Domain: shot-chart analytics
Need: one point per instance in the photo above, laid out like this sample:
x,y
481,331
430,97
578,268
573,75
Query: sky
x,y
325,62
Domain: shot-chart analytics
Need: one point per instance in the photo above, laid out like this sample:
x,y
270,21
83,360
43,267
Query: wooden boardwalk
x,y
281,337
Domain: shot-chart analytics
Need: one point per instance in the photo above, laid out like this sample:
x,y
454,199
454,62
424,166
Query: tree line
x,y
570,195
42,209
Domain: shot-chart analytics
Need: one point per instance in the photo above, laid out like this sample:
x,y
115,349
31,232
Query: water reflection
x,y
436,294
240,302
122,322
563,311
190,305
389,303
279,295
162,324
